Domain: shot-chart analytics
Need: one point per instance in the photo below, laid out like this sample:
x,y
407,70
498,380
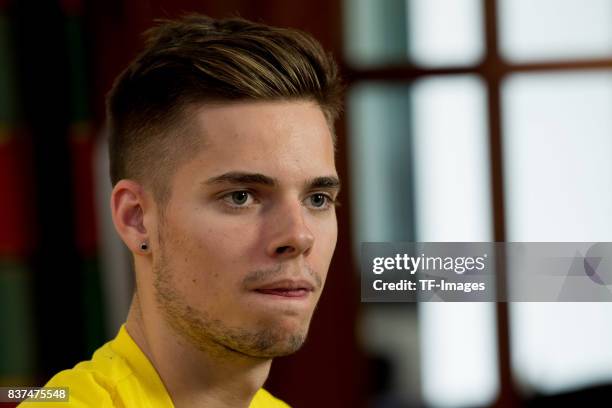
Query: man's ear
x,y
128,203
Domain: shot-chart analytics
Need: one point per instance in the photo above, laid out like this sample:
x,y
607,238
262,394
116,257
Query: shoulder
x,y
86,388
263,399
91,383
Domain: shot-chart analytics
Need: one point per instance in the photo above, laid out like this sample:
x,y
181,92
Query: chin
x,y
277,341
288,345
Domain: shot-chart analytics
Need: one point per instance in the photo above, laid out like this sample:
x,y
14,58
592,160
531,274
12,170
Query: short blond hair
x,y
197,59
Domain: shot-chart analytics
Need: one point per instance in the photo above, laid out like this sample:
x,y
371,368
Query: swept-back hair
x,y
195,60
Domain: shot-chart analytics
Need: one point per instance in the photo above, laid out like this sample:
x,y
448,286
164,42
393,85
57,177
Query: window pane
x,y
451,160
443,32
449,168
379,151
557,166
375,32
555,29
426,32
459,355
381,200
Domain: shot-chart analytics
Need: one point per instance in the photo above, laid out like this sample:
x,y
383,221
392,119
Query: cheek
x,y
223,237
326,237
213,251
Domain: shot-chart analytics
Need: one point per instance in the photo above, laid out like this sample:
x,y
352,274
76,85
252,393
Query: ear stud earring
x,y
144,246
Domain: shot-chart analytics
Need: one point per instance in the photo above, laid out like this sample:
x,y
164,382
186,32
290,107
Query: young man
x,y
222,161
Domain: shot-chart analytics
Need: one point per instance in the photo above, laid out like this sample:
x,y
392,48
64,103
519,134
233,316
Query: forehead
x,y
280,138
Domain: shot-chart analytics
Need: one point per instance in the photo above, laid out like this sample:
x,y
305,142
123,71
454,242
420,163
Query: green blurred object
x,y
9,97
82,143
16,334
95,334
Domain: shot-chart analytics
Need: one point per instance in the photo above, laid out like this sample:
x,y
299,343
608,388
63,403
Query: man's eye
x,y
319,200
238,198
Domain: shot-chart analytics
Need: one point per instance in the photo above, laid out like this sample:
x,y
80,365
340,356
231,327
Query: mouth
x,y
287,289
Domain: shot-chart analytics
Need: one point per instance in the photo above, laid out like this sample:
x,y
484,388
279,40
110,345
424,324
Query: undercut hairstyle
x,y
196,60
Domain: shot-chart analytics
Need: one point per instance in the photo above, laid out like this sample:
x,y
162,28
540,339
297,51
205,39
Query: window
x,y
482,120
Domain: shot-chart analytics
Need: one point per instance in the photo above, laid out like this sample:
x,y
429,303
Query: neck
x,y
193,377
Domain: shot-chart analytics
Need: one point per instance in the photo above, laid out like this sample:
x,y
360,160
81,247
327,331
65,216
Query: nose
x,y
291,236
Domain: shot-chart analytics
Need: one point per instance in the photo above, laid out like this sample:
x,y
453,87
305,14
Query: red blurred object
x,y
71,7
16,194
82,144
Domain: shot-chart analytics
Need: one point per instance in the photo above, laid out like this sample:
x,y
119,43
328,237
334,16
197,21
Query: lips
x,y
287,288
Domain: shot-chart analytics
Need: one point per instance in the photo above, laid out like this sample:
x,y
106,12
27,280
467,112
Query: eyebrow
x,y
328,182
237,177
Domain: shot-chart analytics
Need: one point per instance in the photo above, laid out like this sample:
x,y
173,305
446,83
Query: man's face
x,y
247,236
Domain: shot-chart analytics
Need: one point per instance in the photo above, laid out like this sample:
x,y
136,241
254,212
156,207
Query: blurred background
x,y
465,120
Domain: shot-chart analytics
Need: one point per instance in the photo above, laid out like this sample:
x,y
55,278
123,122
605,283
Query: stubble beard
x,y
212,335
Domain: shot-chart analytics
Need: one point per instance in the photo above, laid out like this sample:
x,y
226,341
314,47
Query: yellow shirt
x,y
120,375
